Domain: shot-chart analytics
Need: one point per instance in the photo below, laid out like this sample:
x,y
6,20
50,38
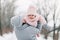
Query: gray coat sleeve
x,y
17,22
48,28
45,26
39,26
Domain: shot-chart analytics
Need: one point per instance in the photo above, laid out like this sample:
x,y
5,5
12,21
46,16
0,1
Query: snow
x,y
9,36
12,36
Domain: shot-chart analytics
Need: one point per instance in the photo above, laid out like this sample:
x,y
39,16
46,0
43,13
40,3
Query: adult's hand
x,y
38,35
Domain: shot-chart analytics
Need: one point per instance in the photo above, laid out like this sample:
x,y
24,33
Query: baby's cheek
x,y
23,21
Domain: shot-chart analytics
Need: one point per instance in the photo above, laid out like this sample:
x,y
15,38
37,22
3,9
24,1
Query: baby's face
x,y
31,16
31,12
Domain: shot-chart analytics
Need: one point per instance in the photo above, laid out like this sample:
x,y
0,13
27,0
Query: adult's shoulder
x,y
16,20
17,17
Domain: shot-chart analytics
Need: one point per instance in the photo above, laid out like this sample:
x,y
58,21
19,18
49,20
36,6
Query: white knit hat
x,y
32,8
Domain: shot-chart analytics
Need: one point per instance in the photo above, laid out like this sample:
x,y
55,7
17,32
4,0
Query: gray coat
x,y
24,32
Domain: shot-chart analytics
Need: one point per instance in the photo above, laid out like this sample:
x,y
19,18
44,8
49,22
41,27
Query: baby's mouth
x,y
31,18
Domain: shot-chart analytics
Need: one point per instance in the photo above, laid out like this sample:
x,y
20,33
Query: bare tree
x,y
0,19
47,9
7,11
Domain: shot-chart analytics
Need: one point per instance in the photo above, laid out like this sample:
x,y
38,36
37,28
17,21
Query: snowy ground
x,y
11,36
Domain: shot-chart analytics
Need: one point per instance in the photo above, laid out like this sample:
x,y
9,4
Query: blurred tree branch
x,y
7,11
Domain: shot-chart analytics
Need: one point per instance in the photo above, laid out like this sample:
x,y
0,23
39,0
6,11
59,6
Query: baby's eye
x,y
30,15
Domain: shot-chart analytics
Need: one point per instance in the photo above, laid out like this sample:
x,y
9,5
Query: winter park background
x,y
50,9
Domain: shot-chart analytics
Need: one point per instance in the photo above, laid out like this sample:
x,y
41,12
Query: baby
x,y
32,18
